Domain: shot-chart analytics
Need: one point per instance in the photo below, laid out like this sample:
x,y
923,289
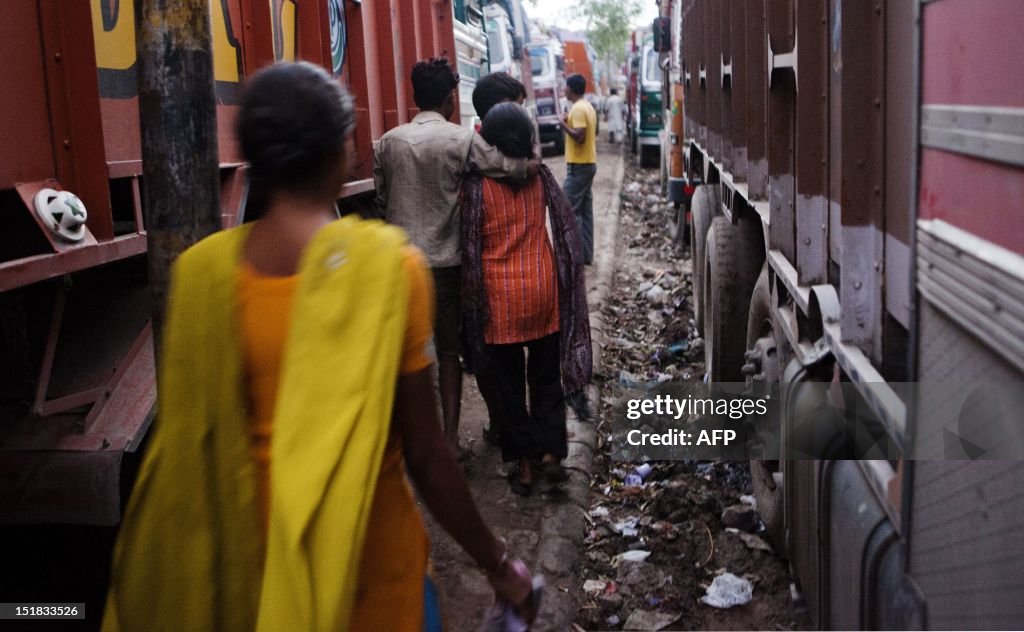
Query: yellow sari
x,y
190,555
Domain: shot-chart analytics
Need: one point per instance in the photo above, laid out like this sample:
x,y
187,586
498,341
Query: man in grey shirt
x,y
417,170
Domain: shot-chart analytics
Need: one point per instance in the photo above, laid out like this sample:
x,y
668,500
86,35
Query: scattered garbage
x,y
658,539
649,620
742,517
627,528
728,590
637,476
631,556
594,585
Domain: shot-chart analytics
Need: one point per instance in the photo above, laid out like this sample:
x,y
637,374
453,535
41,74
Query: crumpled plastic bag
x,y
728,590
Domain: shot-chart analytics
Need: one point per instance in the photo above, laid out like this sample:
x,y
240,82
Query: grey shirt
x,y
417,171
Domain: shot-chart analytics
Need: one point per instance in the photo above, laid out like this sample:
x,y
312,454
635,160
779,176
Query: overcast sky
x,y
561,13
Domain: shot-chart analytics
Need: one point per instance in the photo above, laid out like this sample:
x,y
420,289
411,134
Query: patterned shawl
x,y
573,314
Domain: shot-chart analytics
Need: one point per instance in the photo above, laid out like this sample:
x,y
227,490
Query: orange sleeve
x,y
419,327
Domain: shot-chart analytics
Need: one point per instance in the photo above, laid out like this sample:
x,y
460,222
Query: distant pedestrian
x,y
295,398
580,125
418,170
525,304
615,112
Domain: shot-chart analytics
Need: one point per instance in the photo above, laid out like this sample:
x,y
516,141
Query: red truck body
x,y
858,222
77,381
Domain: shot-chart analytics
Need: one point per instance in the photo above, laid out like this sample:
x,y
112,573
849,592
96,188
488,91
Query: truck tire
x,y
677,228
560,145
705,201
766,477
735,254
633,142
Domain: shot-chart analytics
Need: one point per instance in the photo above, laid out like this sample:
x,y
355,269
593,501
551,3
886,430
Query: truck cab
x,y
547,65
647,121
503,47
471,51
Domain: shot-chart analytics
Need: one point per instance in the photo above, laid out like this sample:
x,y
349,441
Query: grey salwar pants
x,y
578,180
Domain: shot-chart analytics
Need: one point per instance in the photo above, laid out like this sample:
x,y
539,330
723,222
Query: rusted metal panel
x,y
835,120
812,142
970,52
738,88
75,110
757,100
29,270
389,60
782,79
691,83
26,153
901,107
724,68
712,77
863,172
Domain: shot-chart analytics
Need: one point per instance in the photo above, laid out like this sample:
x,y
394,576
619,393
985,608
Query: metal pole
x,y
177,112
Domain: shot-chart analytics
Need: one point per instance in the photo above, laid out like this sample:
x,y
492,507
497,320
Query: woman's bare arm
x,y
435,472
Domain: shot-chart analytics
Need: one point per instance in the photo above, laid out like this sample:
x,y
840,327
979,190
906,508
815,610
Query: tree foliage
x,y
609,24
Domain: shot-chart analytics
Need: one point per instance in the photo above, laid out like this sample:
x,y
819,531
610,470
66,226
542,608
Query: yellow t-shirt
x,y
582,114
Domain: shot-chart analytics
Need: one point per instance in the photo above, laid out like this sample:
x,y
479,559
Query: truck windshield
x,y
651,70
540,63
495,48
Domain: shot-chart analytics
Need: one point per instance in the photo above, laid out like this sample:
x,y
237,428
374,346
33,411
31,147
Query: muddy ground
x,y
676,516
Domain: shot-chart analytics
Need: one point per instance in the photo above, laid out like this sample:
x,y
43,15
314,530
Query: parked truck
x,y
471,55
644,121
857,222
547,63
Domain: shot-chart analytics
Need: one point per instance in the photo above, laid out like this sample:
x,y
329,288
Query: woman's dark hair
x,y
495,88
292,126
509,128
432,82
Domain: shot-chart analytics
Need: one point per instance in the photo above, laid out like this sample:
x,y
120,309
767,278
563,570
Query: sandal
x,y
516,485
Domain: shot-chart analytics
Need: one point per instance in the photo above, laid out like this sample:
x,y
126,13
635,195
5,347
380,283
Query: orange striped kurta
x,y
518,264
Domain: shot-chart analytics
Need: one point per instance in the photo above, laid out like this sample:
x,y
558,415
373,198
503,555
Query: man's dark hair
x,y
432,82
614,91
291,127
508,127
577,84
495,88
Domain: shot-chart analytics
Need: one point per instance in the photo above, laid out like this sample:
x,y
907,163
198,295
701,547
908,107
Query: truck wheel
x,y
633,142
560,145
735,254
762,369
705,201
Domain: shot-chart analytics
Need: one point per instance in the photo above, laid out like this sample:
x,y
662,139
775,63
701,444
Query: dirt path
x,y
521,520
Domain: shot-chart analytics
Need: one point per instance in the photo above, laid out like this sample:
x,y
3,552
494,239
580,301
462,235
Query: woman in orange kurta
x,y
231,526
390,591
522,378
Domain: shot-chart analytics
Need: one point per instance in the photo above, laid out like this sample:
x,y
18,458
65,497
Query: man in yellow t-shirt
x,y
580,125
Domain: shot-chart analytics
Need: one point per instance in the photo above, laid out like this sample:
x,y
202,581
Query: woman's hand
x,y
513,583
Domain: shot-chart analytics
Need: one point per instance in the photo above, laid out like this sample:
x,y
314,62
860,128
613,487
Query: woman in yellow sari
x,y
294,398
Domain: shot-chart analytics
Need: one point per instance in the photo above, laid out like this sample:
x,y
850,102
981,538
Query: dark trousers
x,y
578,181
526,431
